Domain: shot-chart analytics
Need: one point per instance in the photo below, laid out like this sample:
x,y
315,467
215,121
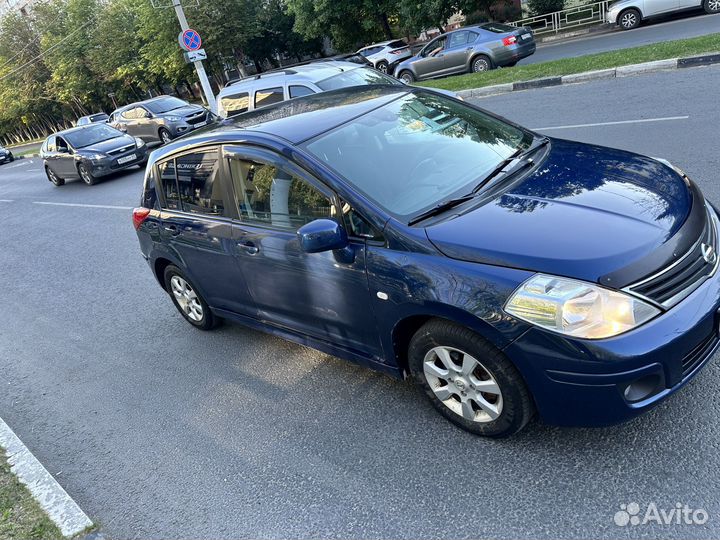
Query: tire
x,y
12,158
629,19
187,300
407,77
165,136
480,64
711,6
55,179
507,406
85,175
382,66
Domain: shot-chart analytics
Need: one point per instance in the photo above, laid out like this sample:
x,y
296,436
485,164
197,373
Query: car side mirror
x,y
148,115
322,235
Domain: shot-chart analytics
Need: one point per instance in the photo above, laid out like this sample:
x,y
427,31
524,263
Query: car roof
x,y
76,128
310,72
298,119
380,43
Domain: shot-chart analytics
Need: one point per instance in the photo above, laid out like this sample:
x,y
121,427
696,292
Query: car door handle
x,y
172,229
248,247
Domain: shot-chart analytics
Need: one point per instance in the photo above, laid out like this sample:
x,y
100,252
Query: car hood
x,y
108,146
585,212
183,111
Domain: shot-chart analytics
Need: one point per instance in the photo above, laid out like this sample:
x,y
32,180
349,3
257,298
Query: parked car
x,y
92,119
470,49
6,156
162,118
504,271
90,152
279,85
628,14
386,55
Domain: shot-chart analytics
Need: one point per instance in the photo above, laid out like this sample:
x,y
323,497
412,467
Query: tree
x,y
542,7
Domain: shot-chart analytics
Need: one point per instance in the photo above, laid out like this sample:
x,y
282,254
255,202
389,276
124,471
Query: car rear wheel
x,y
711,6
481,63
86,175
188,301
407,77
382,66
629,19
165,136
54,178
468,380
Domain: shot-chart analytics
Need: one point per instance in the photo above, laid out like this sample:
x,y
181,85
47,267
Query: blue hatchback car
x,y
507,273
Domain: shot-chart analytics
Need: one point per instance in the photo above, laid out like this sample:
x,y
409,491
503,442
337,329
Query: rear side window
x,y
200,184
458,38
300,91
168,182
235,103
498,28
268,96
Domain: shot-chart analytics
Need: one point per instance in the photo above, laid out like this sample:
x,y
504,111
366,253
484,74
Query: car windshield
x,y
418,151
90,135
356,77
165,104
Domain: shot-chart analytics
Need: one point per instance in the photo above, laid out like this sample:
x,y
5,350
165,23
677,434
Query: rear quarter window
x,y
149,196
269,96
235,103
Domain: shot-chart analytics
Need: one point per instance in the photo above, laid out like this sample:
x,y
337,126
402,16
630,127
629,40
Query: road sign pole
x,y
204,82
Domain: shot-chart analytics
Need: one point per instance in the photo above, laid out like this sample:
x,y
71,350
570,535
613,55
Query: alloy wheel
x,y
629,20
406,78
186,298
481,64
165,137
463,384
382,67
53,176
85,175
714,5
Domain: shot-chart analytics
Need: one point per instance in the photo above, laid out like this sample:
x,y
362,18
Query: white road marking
x,y
619,123
22,164
60,507
6,200
78,205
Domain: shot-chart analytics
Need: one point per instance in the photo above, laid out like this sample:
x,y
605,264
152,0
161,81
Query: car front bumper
x,y
594,383
182,127
612,15
6,158
107,166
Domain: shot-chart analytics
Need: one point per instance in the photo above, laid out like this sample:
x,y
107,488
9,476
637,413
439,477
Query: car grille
x,y
681,278
196,119
122,150
696,357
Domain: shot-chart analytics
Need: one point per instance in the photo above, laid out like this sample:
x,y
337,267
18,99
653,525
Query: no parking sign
x,y
190,40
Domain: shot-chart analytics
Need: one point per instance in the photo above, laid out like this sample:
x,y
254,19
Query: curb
x,y
53,499
611,73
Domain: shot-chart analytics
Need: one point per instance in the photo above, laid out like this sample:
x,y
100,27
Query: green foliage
x,y
541,7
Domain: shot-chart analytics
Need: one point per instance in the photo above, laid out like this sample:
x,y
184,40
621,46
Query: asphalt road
x,y
161,431
681,26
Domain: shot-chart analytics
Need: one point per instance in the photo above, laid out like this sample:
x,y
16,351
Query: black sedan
x,y
90,152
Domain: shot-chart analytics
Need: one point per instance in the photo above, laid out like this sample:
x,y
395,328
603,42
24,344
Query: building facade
x,y
20,6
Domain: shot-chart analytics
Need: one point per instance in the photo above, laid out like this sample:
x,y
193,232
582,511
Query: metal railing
x,y
566,19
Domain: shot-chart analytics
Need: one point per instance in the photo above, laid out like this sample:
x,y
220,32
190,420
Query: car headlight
x,y
94,157
139,142
577,308
173,118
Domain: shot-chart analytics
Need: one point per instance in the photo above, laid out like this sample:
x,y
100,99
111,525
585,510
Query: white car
x,y
386,55
628,14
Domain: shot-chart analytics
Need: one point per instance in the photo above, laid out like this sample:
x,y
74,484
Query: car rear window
x,y
498,28
397,44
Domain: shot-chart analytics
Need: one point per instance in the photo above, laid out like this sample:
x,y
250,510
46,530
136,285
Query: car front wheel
x,y
86,175
382,67
407,77
187,300
629,19
165,136
468,380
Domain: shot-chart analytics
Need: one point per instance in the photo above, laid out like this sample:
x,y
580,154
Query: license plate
x,y
201,124
127,159
526,36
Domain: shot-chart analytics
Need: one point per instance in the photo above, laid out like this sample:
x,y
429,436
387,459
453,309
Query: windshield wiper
x,y
440,208
514,164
